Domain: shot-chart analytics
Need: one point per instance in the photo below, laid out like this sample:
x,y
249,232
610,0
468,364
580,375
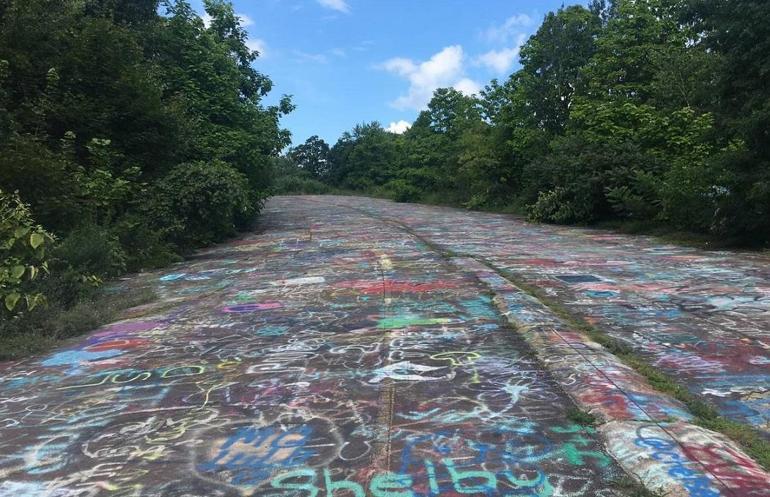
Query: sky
x,y
351,61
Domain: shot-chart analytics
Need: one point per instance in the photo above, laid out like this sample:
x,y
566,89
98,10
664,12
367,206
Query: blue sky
x,y
352,61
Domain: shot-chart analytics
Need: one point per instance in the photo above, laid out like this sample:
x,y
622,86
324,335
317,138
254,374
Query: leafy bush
x,y
740,195
401,190
690,196
299,184
91,249
639,199
23,257
144,246
560,206
198,202
45,179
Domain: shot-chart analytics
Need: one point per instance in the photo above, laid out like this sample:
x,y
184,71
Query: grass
x,y
628,486
633,488
46,327
581,417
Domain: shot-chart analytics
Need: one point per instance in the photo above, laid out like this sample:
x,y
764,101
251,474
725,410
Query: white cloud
x,y
398,127
503,32
318,58
400,66
467,86
246,21
443,69
257,44
501,61
338,5
363,46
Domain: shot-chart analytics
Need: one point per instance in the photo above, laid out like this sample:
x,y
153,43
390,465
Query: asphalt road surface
x,y
354,347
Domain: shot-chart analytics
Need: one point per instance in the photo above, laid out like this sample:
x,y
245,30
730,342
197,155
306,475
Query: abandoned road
x,y
357,347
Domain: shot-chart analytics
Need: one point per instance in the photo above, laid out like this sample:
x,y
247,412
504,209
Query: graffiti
x,y
252,307
359,362
389,484
249,456
699,316
666,451
408,371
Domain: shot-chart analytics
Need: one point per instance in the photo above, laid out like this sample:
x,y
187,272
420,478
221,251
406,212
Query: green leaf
x,y
17,272
11,299
36,239
33,272
34,300
20,232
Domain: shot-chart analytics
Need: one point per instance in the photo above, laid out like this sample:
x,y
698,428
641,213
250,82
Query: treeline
x,y
130,132
652,111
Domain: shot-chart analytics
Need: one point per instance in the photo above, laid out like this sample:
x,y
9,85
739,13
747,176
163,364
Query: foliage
x,y
292,179
312,156
401,190
299,185
364,157
739,31
199,202
23,257
560,206
92,250
131,130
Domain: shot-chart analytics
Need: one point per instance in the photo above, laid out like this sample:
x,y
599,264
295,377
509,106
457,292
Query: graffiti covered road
x,y
356,347
702,317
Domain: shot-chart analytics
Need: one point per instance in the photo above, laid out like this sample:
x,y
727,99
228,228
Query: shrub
x,y
401,190
559,206
91,249
47,180
639,199
199,202
297,184
23,246
144,246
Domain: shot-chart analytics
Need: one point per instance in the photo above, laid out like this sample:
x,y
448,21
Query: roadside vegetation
x,y
651,114
131,132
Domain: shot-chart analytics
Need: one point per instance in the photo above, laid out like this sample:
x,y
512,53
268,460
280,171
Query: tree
x,y
739,30
449,112
364,158
552,60
635,31
312,156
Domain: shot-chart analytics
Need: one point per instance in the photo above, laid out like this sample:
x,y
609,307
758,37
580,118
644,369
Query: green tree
x,y
312,156
552,60
739,31
199,203
364,158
